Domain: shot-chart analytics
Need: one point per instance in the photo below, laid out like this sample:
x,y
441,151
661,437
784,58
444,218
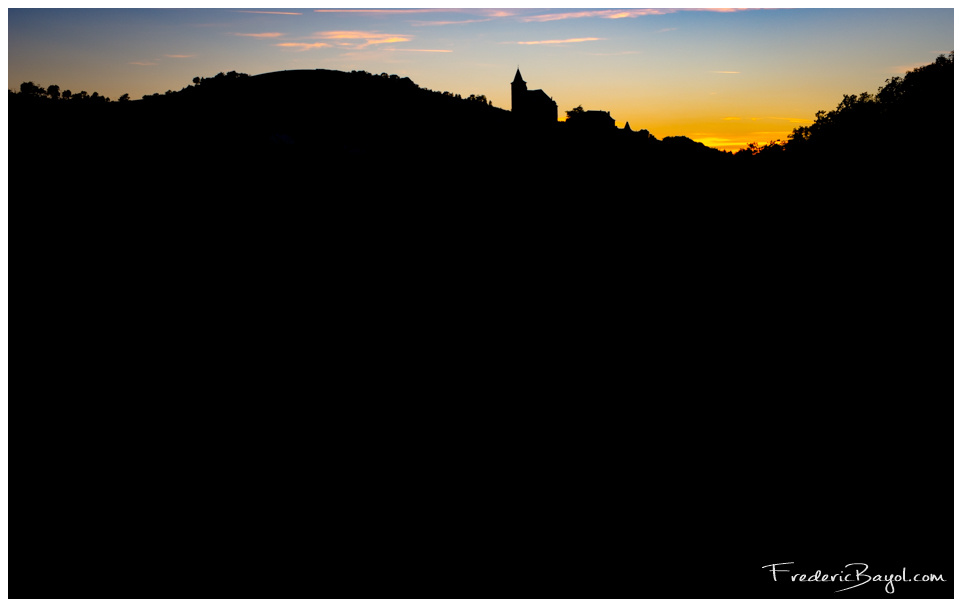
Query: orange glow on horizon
x,y
707,74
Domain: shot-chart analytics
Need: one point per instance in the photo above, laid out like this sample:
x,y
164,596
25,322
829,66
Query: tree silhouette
x,y
904,107
31,89
862,128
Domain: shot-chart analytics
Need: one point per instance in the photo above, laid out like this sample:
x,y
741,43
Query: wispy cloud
x,y
387,11
667,29
141,63
490,13
430,23
630,13
487,14
419,50
261,35
361,39
792,120
179,56
267,13
614,54
304,46
721,143
603,14
560,41
498,12
901,69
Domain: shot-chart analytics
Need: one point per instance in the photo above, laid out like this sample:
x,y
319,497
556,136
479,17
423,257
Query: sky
x,y
724,77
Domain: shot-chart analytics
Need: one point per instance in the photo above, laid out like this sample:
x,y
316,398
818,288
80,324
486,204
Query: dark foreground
x,y
376,359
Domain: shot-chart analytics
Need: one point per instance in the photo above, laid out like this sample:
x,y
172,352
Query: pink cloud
x,y
267,13
604,14
429,23
263,35
304,46
361,39
419,50
561,41
623,13
386,11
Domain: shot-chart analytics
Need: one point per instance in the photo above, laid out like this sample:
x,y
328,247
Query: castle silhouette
x,y
534,107
537,108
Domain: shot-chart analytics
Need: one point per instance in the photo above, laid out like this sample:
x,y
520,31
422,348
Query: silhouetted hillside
x,y
897,142
349,124
382,129
328,241
327,114
913,114
334,112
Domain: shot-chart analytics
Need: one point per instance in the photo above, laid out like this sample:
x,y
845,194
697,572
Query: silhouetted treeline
x,y
314,116
905,113
29,90
899,139
747,330
357,125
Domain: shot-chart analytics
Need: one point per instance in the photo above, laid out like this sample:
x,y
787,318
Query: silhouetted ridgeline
x,y
899,140
236,155
361,125
642,335
387,132
332,123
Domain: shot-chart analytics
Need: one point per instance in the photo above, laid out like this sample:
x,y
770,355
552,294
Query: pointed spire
x,y
627,126
517,76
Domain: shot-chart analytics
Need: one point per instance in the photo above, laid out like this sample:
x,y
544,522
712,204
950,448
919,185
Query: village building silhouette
x,y
596,120
537,108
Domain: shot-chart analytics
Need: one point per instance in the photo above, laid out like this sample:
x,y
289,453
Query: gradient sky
x,y
725,77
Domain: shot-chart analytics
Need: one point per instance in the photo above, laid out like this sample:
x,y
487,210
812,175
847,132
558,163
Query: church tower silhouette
x,y
533,107
518,90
